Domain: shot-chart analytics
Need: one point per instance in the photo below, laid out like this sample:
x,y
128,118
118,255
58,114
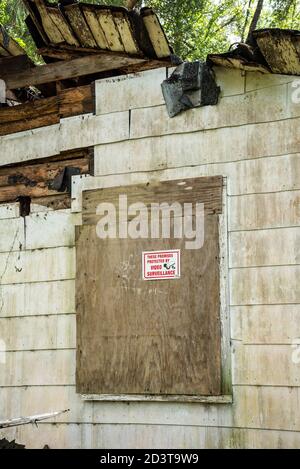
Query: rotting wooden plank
x,y
28,5
48,111
30,115
10,45
156,34
205,190
4,52
43,181
15,64
106,20
126,33
46,172
31,123
79,25
49,26
95,26
69,69
75,101
62,25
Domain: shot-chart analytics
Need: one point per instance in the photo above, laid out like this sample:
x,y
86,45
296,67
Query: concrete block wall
x,y
252,139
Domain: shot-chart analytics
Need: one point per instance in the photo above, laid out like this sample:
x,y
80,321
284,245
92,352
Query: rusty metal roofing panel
x,y
281,49
98,27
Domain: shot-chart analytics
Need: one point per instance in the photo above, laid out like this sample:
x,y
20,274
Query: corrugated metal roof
x,y
84,28
271,51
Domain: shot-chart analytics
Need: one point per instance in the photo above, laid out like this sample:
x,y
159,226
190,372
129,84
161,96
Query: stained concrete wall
x,y
252,139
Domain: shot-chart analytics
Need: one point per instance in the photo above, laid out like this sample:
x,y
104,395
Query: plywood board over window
x,y
142,337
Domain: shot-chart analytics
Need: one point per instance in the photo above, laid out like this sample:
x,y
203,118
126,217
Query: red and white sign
x,y
161,265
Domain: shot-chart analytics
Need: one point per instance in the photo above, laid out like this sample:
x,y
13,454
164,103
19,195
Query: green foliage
x,y
194,27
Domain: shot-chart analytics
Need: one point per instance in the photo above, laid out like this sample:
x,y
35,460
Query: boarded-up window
x,y
138,336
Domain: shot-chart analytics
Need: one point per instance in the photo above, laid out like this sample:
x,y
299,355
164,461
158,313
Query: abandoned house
x,y
135,339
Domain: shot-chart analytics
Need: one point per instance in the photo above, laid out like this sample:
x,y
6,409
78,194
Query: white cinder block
x,y
265,247
39,332
38,266
265,285
89,130
270,365
29,145
50,229
256,81
266,324
257,106
9,211
34,368
11,235
270,210
209,146
130,91
230,80
26,299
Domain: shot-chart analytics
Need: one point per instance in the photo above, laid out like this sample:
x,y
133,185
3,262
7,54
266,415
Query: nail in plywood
x,y
137,337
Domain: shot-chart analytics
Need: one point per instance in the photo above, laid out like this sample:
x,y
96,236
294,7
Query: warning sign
x,y
161,265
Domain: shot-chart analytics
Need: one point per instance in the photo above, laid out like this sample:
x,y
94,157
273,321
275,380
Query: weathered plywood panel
x,y
265,285
121,93
265,247
258,211
43,367
170,351
271,365
192,149
195,190
33,299
266,324
157,340
38,266
39,332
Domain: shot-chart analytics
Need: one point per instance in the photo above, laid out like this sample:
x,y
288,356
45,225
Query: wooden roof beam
x,y
68,69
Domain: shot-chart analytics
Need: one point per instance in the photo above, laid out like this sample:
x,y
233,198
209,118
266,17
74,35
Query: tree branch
x,y
255,19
